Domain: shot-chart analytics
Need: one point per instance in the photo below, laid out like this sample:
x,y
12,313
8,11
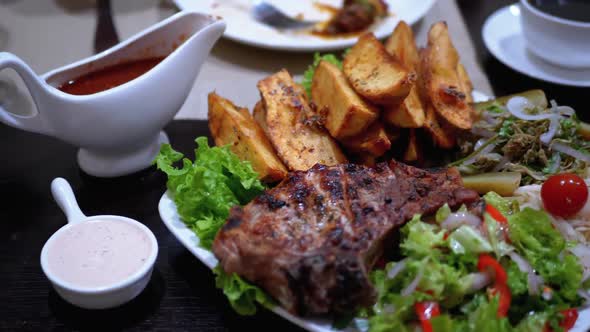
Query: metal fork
x,y
268,14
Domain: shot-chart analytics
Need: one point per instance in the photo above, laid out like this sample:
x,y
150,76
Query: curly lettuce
x,y
204,191
241,294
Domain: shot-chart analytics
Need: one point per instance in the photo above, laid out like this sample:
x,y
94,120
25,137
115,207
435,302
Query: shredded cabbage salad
x,y
525,138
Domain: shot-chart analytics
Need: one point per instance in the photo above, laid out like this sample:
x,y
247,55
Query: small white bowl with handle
x,y
57,254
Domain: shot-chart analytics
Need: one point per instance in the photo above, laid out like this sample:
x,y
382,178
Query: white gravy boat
x,y
119,130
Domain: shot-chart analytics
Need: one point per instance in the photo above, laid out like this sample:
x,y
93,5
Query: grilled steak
x,y
310,241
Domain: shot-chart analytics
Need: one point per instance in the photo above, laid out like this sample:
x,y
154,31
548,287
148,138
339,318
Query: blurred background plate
x,y
242,28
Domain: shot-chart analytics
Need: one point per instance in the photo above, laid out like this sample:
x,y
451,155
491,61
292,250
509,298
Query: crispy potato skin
x,y
441,137
410,113
374,141
402,45
347,114
413,150
375,74
465,83
441,81
234,126
298,145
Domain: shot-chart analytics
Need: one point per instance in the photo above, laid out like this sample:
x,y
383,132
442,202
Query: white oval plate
x,y
502,36
188,238
242,28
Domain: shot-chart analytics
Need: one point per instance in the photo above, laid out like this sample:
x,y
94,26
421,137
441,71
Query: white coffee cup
x,y
559,41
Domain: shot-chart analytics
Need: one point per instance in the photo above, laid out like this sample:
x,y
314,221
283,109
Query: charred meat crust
x,y
310,241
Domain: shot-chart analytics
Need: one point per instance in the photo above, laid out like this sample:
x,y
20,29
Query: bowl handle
x,y
36,87
64,197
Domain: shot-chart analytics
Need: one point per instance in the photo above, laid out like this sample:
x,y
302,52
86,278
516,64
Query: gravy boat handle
x,y
36,88
64,197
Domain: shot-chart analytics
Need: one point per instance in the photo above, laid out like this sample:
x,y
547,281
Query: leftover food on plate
x,y
354,16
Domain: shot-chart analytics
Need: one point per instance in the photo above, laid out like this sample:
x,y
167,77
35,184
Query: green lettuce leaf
x,y
504,205
442,213
481,317
466,240
420,238
532,233
242,295
517,280
308,74
204,191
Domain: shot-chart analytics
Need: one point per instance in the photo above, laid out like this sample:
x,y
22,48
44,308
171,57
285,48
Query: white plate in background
x,y
242,28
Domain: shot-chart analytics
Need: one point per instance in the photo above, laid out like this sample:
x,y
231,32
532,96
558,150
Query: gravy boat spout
x,y
118,130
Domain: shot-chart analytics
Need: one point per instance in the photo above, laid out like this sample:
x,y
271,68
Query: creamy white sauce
x,y
98,253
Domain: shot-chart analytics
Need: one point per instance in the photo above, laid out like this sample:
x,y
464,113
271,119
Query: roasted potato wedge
x,y
375,74
465,83
413,150
259,114
441,81
441,137
373,141
347,114
402,45
410,113
234,126
298,145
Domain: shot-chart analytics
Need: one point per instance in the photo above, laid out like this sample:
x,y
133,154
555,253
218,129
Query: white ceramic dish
x,y
502,35
102,297
188,238
242,28
119,130
559,41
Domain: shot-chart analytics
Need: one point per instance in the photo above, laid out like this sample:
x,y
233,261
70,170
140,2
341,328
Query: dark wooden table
x,y
181,295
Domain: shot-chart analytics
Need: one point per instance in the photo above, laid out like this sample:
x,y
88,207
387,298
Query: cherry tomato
x,y
425,311
564,194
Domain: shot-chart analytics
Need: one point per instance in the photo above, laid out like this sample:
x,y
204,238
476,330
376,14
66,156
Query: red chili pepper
x,y
503,292
494,213
570,316
488,264
425,311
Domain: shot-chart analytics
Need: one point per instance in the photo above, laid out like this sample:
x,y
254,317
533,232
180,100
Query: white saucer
x,y
242,28
503,38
